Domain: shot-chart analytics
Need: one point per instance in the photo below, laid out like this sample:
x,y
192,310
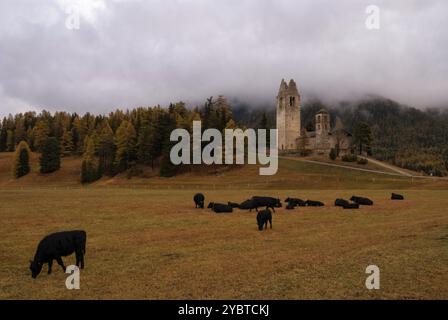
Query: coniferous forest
x,y
123,140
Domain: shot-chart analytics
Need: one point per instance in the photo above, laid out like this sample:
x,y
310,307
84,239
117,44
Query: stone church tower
x,y
322,121
288,116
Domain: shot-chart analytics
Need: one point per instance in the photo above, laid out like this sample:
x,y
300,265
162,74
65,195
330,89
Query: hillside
x,y
291,175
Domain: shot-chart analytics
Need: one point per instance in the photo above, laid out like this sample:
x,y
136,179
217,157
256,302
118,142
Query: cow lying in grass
x,y
296,202
263,217
312,203
290,206
199,200
340,202
267,202
362,201
220,207
396,196
345,204
58,245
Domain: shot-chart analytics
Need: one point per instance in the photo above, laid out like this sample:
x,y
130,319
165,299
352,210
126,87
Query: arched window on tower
x,y
292,101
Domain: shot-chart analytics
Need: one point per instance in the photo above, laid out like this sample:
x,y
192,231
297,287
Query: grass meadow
x,y
145,239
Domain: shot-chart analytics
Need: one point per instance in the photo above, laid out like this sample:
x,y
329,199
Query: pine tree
x,y
363,138
3,136
21,161
10,143
125,141
89,167
50,159
144,142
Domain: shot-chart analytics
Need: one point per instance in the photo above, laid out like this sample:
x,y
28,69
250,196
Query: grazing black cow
x,y
268,202
351,206
313,203
396,196
220,207
295,201
263,217
362,201
248,205
199,200
290,206
233,204
58,245
340,202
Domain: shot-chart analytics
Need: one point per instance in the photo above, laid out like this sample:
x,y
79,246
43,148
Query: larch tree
x,y
21,160
125,140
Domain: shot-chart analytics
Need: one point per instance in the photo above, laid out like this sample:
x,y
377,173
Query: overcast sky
x,y
142,53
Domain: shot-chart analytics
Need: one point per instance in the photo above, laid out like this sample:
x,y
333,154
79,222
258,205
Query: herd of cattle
x,y
61,244
265,216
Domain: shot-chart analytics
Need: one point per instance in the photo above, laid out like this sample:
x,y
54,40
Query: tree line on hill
x,y
125,141
109,144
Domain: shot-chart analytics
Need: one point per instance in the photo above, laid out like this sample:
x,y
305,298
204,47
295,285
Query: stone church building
x,y
291,136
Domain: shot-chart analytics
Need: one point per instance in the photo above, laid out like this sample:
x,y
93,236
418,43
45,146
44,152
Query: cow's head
x,y
35,268
210,205
288,199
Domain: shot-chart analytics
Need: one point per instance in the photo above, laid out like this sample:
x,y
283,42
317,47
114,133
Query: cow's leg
x,y
78,259
61,263
272,208
50,264
265,224
82,260
270,223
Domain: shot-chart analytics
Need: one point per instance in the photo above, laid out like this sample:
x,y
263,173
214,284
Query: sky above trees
x,y
139,53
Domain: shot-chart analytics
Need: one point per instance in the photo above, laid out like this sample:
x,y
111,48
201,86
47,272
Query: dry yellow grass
x,y
148,241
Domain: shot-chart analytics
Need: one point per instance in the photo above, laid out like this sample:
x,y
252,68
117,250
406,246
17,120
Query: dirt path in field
x,y
397,171
387,166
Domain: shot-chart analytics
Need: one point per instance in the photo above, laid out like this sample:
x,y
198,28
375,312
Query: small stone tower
x,y
288,116
322,120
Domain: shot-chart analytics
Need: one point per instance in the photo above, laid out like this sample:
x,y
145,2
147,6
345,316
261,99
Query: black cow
x,y
313,203
295,201
362,201
262,219
220,207
58,245
290,206
248,205
199,200
233,204
351,206
340,202
396,196
268,202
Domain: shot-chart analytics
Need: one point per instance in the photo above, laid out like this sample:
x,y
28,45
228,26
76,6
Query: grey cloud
x,y
134,53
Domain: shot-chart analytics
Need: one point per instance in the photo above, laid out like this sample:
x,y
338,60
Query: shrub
x,y
350,158
332,154
363,161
